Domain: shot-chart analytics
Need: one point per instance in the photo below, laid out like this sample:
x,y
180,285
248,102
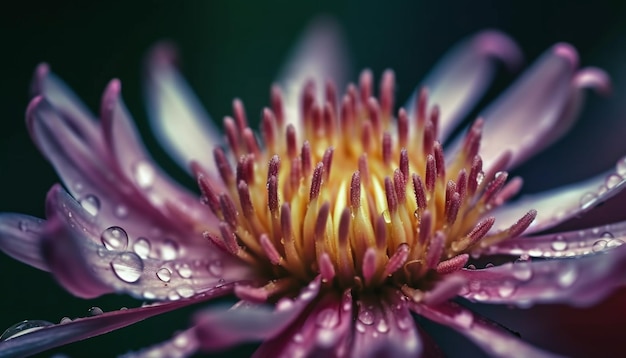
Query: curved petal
x,y
221,328
20,237
183,344
320,55
177,118
557,205
462,76
326,330
89,262
492,338
581,281
522,118
384,327
561,244
82,328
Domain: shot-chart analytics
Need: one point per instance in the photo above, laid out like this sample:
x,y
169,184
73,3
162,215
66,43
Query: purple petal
x,y
20,237
561,244
324,331
557,205
320,56
177,118
522,118
581,281
90,262
83,328
183,344
461,78
221,328
384,327
492,338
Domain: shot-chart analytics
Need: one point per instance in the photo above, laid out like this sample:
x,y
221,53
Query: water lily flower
x,y
335,223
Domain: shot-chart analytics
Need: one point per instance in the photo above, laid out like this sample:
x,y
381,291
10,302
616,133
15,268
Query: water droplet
x,y
612,181
181,341
360,327
366,317
614,243
142,247
65,320
149,295
298,338
144,174
620,167
382,326
184,271
185,291
169,250
522,271
102,251
506,289
587,200
114,238
607,235
216,268
327,318
404,322
480,177
284,304
559,244
465,319
127,266
95,311
121,211
173,296
164,274
567,277
24,327
91,204
599,246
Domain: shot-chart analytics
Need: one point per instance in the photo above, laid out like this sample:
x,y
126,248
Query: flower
x,y
347,218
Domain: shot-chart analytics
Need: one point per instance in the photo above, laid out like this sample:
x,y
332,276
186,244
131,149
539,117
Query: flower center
x,y
355,195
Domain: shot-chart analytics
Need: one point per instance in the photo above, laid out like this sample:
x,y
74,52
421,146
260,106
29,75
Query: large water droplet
x,y
24,327
127,266
559,244
382,326
620,166
142,247
599,246
144,174
65,320
164,274
95,311
184,271
91,204
169,250
587,200
114,238
522,271
173,296
612,181
185,291
366,317
614,243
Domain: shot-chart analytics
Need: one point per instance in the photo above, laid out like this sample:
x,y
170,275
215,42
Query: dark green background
x,y
235,49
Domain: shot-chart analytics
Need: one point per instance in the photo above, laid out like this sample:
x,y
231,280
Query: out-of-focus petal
x,y
522,118
89,262
463,75
326,330
492,338
384,327
581,281
561,244
183,344
83,328
320,55
177,118
557,205
221,328
20,237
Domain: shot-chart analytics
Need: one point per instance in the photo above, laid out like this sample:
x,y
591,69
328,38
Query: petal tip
x,y
162,54
594,78
501,46
41,72
568,52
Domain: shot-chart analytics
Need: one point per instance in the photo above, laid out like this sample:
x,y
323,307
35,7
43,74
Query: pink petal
x,y
561,244
20,237
522,118
83,328
461,78
492,338
384,327
221,328
557,205
90,262
183,344
579,281
177,118
326,330
320,56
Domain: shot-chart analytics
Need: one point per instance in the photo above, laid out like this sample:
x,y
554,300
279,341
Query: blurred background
x,y
235,49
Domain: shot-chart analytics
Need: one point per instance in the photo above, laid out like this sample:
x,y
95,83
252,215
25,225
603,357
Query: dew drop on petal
x,y
607,235
620,167
91,204
95,311
184,271
185,291
121,211
164,274
114,238
559,244
382,326
169,250
65,320
587,200
24,327
404,322
506,289
366,317
127,266
173,296
142,247
215,268
522,271
567,277
614,243
144,174
465,319
149,295
613,180
327,318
